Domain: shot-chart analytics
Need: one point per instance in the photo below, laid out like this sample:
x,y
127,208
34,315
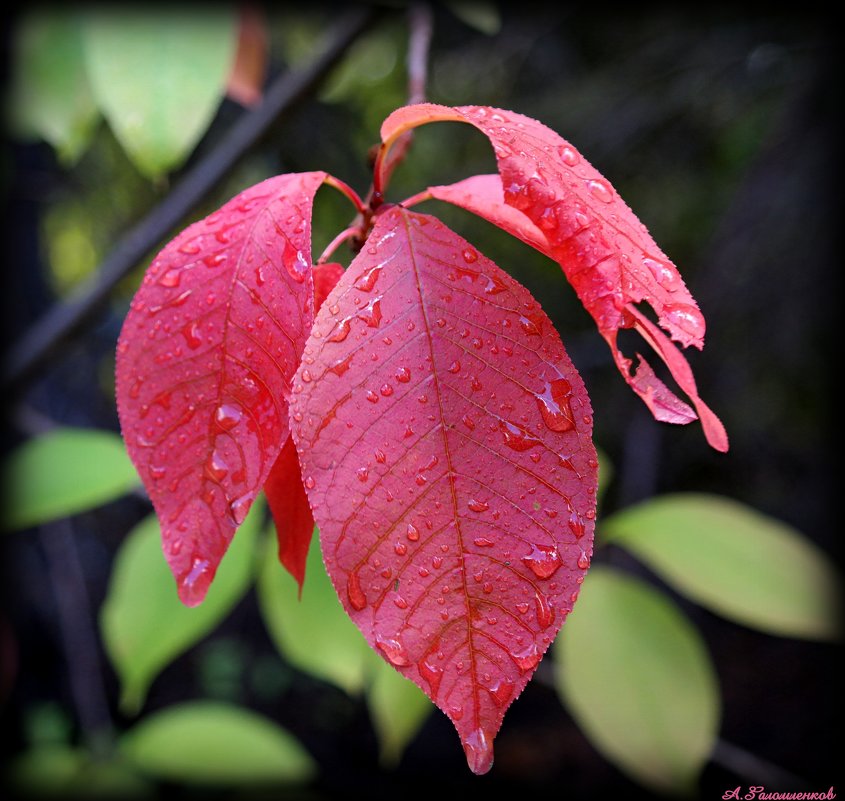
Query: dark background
x,y
720,126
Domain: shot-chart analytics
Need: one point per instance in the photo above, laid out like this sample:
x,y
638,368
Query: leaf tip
x,y
478,747
192,585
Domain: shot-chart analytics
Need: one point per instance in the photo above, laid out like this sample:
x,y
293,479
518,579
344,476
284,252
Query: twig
x,y
419,43
65,320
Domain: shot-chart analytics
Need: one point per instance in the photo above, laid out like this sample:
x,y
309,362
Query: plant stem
x,y
64,320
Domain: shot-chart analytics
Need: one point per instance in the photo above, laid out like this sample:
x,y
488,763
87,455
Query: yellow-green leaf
x,y
159,76
49,94
63,472
208,743
739,563
638,680
144,625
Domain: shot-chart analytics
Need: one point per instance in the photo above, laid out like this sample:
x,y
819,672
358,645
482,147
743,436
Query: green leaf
x,y
144,625
49,95
59,771
638,680
64,472
737,562
398,709
206,742
314,634
159,76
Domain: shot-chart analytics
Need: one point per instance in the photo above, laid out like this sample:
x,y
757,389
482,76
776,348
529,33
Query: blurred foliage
x,y
714,124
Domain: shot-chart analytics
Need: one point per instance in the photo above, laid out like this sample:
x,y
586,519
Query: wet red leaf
x,y
291,513
204,363
445,441
581,222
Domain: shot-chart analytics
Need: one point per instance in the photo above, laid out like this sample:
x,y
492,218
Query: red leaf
x,y
285,493
291,512
605,251
445,440
326,275
204,363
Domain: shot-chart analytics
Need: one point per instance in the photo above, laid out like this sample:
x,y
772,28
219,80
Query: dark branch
x,y
39,344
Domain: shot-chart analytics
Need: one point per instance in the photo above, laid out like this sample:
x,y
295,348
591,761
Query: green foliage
x,y
316,635
63,472
638,680
50,96
142,638
209,743
735,561
159,76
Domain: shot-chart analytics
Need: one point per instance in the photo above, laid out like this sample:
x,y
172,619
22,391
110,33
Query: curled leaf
x,y
580,221
445,440
204,363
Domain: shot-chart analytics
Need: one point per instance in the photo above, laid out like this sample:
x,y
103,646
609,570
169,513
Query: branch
x,y
63,321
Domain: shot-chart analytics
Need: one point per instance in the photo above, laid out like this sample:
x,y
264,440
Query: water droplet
x,y
432,673
455,367
214,259
583,561
600,190
371,313
309,483
469,255
475,383
554,405
216,468
522,608
171,278
543,561
198,568
239,508
413,532
176,547
532,324
371,396
568,155
545,610
483,542
663,273
363,474
227,416
477,506
357,599
468,422
157,473
393,651
295,262
479,751
380,456
341,366
386,390
190,248
494,285
367,280
341,330
399,602
306,376
502,692
403,374
400,548
135,389
576,525
515,438
685,316
456,712
528,658
191,334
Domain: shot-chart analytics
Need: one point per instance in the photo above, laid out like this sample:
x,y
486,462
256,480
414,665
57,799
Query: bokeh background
x,y
720,126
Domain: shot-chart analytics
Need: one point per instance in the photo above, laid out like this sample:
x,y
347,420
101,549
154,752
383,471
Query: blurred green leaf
x,y
398,709
734,560
638,680
65,471
144,625
49,94
59,771
315,634
159,76
484,17
206,742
